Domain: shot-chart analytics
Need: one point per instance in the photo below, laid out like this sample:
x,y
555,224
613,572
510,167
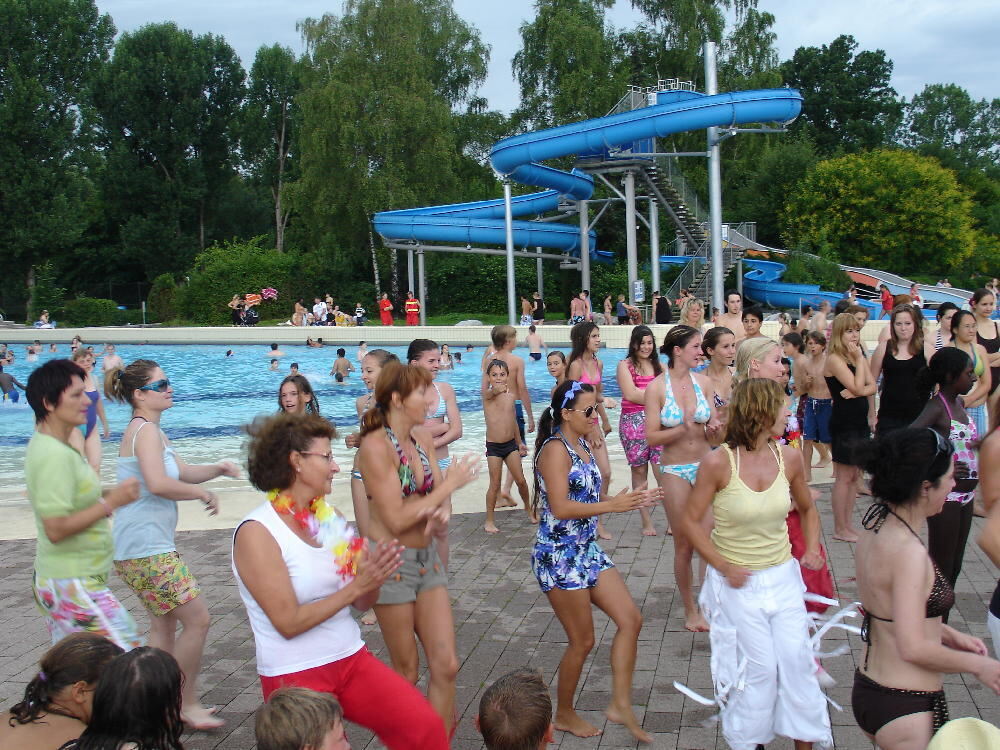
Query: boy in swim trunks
x,y
535,344
504,443
342,366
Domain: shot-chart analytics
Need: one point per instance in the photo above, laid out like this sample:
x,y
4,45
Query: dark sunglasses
x,y
157,385
588,412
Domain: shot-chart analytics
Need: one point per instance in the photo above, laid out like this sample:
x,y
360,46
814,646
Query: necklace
x,y
322,523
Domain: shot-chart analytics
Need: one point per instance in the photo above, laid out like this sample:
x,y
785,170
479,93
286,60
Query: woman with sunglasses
x,y
898,696
146,556
572,569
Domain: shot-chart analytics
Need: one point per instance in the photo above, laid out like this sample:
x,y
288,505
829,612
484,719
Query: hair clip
x,y
570,395
43,677
119,374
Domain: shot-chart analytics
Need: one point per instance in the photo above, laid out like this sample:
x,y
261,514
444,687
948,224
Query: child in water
x,y
342,366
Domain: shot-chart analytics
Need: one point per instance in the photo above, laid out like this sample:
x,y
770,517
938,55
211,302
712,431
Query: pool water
x,y
215,395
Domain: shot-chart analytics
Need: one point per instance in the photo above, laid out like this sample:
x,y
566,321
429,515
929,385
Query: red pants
x,y
366,688
412,319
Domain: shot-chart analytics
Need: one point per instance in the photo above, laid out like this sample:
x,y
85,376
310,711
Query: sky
x,y
929,41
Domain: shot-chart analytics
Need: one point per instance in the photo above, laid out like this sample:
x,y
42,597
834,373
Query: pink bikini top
x,y
640,382
585,378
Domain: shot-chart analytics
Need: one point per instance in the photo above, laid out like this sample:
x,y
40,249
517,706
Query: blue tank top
x,y
147,526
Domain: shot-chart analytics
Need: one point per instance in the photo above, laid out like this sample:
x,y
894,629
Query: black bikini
x,y
875,705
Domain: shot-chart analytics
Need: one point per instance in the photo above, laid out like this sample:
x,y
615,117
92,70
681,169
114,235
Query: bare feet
x,y
201,719
696,623
575,724
846,536
491,528
649,531
823,463
506,501
602,532
531,515
627,719
369,618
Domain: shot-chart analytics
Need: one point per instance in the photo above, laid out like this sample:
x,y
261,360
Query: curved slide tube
x,y
482,222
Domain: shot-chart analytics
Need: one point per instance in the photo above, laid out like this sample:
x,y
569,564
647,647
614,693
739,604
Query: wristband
x,y
107,507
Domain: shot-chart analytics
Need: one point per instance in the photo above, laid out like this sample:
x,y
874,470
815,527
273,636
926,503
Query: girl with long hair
x,y
719,348
944,315
296,396
898,360
639,368
409,500
950,374
84,357
299,568
963,338
752,595
983,304
146,556
898,696
572,569
850,382
58,699
555,363
692,313
681,418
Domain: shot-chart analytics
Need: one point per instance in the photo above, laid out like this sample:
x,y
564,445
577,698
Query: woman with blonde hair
x,y
693,313
850,381
757,358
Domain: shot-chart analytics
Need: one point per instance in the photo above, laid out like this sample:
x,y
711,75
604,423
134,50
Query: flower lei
x,y
321,522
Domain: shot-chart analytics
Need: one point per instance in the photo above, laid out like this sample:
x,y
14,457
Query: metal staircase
x,y
680,211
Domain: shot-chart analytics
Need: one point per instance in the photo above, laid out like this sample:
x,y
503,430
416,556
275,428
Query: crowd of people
x,y
726,419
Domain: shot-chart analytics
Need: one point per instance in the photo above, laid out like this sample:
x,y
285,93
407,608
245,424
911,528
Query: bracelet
x,y
107,507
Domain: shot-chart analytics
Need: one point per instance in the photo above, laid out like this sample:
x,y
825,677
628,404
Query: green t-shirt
x,y
61,482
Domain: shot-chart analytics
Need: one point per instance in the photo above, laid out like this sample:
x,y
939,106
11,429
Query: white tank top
x,y
313,577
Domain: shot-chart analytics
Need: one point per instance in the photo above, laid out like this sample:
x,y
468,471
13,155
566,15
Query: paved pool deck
x,y
503,622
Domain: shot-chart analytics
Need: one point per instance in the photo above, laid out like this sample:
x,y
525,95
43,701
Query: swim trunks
x,y
500,450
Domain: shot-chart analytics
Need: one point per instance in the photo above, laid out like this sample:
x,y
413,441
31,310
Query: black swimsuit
x,y
876,705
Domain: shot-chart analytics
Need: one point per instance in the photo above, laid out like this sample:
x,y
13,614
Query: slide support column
x,y
409,271
654,244
714,188
421,287
509,226
631,243
540,274
584,246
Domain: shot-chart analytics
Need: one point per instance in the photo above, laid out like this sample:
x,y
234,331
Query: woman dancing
x,y
297,586
963,338
898,698
571,568
681,418
146,556
950,373
74,553
409,500
640,367
850,382
719,348
762,659
898,360
84,357
296,396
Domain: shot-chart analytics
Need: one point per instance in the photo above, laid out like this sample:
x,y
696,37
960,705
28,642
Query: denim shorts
x,y
817,420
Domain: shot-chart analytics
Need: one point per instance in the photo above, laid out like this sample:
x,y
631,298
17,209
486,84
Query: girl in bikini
x,y
91,443
681,418
719,348
409,499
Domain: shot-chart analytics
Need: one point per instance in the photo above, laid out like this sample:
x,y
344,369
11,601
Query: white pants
x,y
993,623
762,660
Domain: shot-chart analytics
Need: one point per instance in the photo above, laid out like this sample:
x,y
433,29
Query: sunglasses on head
x,y
157,385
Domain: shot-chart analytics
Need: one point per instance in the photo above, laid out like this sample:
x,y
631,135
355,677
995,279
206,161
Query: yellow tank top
x,y
750,528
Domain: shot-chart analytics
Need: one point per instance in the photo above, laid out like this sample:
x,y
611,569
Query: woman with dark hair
x,y
75,550
950,373
983,304
719,348
572,569
762,658
296,396
963,338
146,556
681,417
58,700
898,360
639,368
409,500
555,363
662,312
850,382
898,698
299,568
943,314
137,704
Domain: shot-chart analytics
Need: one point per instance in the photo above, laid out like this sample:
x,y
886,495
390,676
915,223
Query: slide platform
x,y
518,158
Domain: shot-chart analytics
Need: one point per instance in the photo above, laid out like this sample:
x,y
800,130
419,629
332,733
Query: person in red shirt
x,y
412,308
886,299
385,309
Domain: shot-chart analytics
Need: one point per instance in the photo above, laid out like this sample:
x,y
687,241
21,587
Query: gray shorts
x,y
421,571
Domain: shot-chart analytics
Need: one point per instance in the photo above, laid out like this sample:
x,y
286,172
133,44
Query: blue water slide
x,y
482,222
763,284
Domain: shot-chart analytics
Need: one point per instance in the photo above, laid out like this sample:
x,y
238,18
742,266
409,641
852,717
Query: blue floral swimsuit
x,y
566,553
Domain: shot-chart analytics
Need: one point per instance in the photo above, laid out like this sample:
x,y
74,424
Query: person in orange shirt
x,y
385,309
412,308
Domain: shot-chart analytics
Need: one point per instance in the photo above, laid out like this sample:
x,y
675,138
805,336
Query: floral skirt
x,y
569,566
73,605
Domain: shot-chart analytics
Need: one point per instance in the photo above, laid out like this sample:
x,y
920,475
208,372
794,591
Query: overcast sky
x,y
929,41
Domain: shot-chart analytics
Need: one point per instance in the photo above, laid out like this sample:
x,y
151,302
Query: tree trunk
x,y
394,276
201,224
280,220
371,244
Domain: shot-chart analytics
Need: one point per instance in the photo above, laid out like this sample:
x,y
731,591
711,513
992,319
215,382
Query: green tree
x,y
569,67
269,127
52,52
382,83
169,102
849,103
943,117
893,210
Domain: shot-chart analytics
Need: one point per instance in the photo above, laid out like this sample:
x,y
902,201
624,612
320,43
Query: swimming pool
x,y
215,395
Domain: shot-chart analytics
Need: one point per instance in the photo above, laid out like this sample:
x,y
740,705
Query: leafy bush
x,y
90,311
236,267
46,295
162,301
803,268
